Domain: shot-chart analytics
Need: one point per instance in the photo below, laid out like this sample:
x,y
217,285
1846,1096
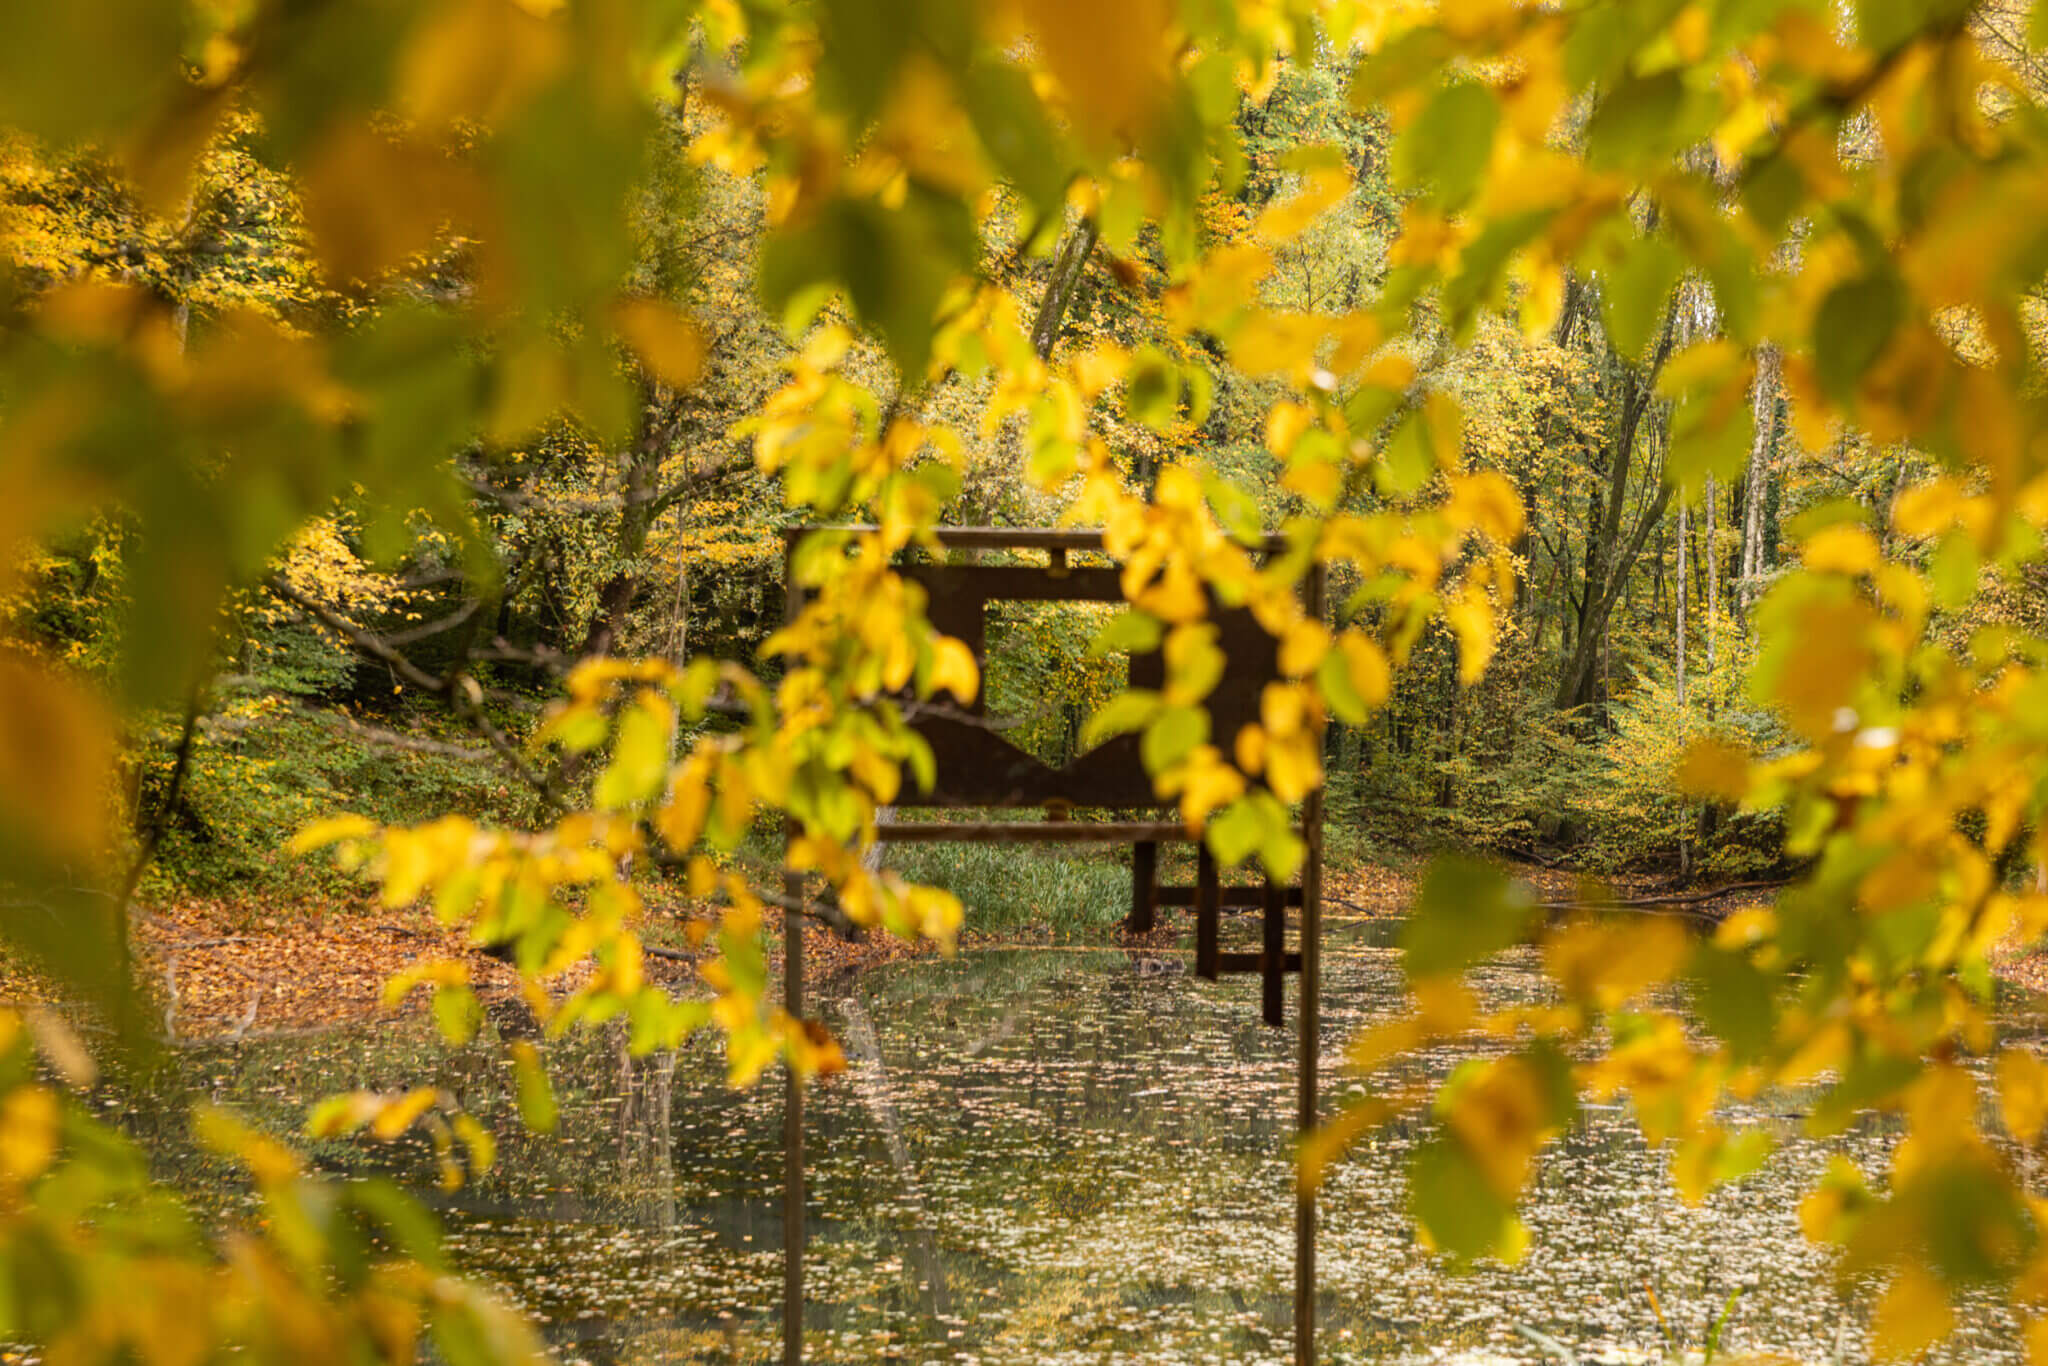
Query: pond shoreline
x,y
219,971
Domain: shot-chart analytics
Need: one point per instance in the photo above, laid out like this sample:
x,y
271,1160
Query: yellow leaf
x,y
1912,1315
1750,925
1303,647
1844,549
953,669
362,232
1470,617
1905,877
1277,343
56,763
1502,1119
1294,765
478,59
667,343
1486,502
398,1116
2022,1093
1111,60
331,830
1287,219
1714,768
1250,748
1203,782
1371,677
30,1122
1285,422
1318,481
1692,1163
1609,964
1329,1141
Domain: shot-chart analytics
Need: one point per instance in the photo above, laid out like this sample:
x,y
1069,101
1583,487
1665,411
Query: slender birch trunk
x,y
1678,650
1764,410
1713,596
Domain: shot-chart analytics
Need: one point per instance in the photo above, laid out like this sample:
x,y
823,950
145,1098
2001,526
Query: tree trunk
x,y
1068,264
1764,412
1713,594
1678,650
1609,554
641,473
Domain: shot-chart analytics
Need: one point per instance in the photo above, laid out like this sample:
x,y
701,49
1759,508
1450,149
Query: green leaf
x,y
1450,142
405,1222
894,264
1152,389
1466,910
1130,631
472,1327
1855,321
1604,37
1172,733
1633,124
1236,510
1953,570
1018,136
640,755
862,43
1708,437
1333,679
1129,710
536,1094
1234,832
457,1014
1257,823
1638,292
1415,55
1449,1196
1406,461
1772,194
1735,999
1482,266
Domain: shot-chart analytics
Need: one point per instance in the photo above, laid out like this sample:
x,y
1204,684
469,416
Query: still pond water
x,y
1058,1156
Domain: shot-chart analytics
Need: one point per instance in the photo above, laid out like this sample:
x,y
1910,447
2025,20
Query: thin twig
x,y
456,687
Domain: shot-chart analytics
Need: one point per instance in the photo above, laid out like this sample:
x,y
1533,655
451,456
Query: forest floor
x,y
220,970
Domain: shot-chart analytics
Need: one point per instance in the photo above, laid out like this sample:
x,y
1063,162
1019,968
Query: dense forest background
x,y
1631,630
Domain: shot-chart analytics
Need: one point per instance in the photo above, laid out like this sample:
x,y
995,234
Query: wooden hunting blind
x,y
978,768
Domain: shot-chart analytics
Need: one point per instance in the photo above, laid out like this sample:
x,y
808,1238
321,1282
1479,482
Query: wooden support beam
x,y
1231,964
1208,907
1029,832
1249,895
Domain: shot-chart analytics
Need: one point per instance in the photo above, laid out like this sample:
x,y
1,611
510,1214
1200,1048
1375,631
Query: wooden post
x,y
1311,1023
1144,887
1208,911
1273,960
793,1095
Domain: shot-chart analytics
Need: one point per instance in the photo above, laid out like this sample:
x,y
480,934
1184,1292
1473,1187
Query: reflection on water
x,y
1044,1156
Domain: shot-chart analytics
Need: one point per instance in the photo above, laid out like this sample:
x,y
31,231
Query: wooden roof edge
x,y
1013,537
